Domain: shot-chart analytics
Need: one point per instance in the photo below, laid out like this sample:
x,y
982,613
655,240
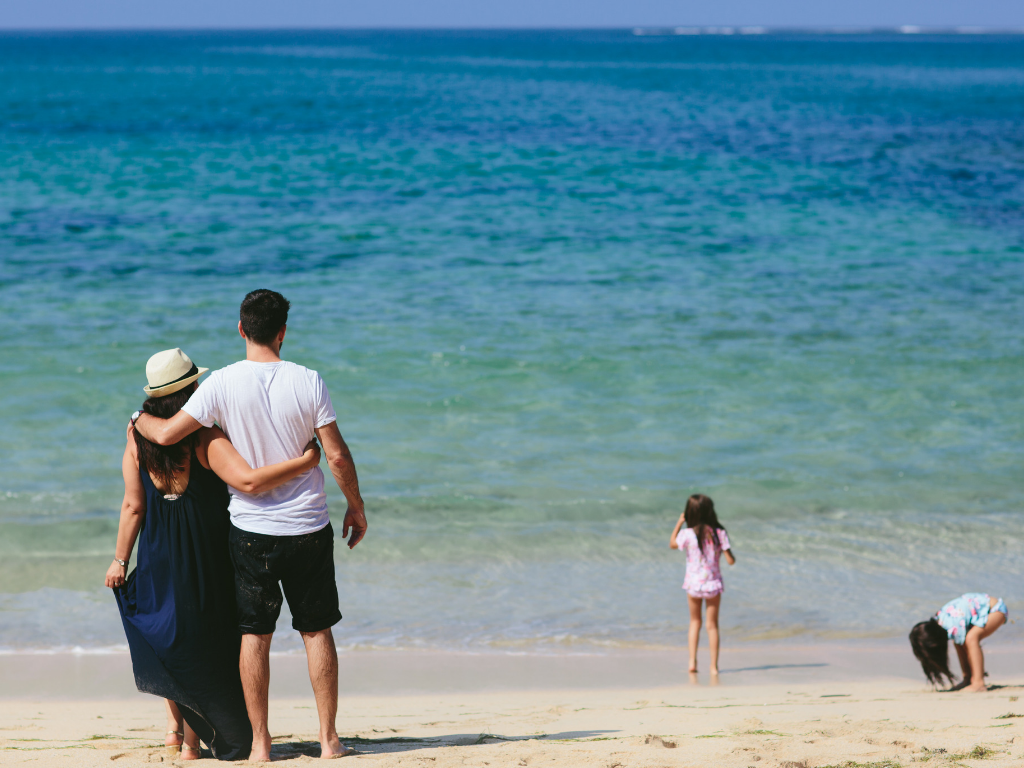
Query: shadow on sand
x,y
285,748
772,666
965,683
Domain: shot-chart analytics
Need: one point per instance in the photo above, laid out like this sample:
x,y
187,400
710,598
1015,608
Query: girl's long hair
x,y
930,643
164,461
701,516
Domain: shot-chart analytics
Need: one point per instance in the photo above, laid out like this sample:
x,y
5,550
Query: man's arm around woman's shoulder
x,y
166,431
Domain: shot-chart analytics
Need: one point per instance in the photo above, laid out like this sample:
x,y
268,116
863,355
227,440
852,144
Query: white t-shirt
x,y
269,411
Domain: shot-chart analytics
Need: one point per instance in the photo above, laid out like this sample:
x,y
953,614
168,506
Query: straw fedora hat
x,y
170,371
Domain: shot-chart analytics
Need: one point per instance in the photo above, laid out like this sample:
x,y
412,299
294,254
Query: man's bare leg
x,y
254,666
322,656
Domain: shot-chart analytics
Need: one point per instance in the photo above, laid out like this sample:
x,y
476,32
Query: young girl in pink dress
x,y
704,541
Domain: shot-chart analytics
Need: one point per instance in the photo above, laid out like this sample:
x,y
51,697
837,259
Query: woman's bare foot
x,y
189,752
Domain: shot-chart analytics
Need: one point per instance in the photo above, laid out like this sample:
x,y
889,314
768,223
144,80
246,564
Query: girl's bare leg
x,y
973,646
695,606
174,724
965,668
713,603
190,747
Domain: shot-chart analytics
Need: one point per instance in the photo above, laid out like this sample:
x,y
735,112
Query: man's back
x,y
269,412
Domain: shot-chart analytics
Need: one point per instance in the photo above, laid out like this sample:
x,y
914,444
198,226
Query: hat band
x,y
191,371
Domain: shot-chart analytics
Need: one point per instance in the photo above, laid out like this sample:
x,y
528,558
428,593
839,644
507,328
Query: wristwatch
x,y
135,417
122,563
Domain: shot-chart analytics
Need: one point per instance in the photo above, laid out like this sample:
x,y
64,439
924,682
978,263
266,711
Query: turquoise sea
x,y
556,282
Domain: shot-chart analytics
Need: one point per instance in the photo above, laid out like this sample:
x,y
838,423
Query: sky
x,y
242,14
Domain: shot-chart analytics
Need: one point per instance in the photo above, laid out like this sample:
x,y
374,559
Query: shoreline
x,y
108,675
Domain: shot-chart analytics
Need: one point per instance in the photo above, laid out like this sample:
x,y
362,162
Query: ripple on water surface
x,y
555,282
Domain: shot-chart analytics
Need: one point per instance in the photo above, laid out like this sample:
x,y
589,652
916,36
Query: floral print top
x,y
703,576
970,610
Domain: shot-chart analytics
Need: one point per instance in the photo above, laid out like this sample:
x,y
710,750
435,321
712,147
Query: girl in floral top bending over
x,y
704,540
966,620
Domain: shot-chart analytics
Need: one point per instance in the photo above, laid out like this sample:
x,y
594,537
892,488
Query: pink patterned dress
x,y
703,576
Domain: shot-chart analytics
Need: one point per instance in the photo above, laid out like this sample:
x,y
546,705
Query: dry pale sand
x,y
856,723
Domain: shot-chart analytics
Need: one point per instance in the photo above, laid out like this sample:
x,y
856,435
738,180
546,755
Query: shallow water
x,y
555,283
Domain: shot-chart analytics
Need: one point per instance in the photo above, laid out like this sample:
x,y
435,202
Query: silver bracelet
x,y
122,563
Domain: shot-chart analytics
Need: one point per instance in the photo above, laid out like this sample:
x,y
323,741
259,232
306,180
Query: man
x,y
270,410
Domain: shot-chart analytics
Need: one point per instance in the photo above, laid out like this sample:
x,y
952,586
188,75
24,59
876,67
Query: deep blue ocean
x,y
555,282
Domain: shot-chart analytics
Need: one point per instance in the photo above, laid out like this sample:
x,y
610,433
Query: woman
x,y
178,605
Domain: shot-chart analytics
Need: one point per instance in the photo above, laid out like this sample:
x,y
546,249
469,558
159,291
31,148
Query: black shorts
x,y
304,566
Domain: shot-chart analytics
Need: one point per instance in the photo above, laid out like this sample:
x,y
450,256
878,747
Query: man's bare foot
x,y
976,688
189,752
344,752
260,749
331,747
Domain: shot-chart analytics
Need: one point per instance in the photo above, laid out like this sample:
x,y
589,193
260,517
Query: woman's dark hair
x,y
701,516
263,314
163,461
931,646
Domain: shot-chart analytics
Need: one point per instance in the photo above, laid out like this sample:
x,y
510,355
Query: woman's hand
x,y
312,453
115,575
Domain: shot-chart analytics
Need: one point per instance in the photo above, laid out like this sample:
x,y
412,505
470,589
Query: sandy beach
x,y
810,714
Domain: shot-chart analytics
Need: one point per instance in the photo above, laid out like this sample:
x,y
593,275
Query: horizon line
x,y
666,30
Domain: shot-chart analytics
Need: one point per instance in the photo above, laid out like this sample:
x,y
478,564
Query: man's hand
x,y
356,520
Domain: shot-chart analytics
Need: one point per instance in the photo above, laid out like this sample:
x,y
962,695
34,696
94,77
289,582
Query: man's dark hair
x,y
263,314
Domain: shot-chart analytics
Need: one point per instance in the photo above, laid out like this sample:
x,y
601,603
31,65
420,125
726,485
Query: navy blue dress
x,y
178,611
